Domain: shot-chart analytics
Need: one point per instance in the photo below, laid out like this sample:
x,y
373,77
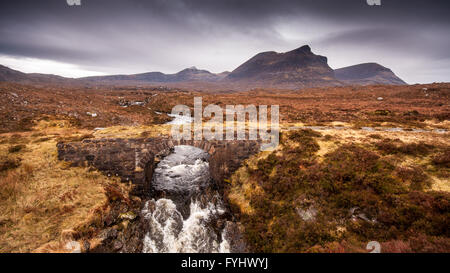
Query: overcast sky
x,y
117,36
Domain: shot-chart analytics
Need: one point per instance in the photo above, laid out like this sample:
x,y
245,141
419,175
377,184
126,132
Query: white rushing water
x,y
169,233
179,119
184,172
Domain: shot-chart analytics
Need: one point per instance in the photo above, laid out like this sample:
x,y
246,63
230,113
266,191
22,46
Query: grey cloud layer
x,y
118,36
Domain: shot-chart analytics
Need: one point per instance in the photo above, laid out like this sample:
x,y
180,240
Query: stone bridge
x,y
135,159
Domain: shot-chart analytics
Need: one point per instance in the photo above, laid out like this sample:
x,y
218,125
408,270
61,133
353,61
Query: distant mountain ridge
x,y
10,75
7,74
299,68
185,75
366,74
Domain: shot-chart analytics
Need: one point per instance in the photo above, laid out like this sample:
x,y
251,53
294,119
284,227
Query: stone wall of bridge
x,y
133,160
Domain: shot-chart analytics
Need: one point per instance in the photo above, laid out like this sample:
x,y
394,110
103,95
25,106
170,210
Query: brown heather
x,y
396,184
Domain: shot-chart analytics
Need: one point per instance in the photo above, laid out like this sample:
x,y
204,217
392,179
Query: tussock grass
x,y
146,131
41,197
242,186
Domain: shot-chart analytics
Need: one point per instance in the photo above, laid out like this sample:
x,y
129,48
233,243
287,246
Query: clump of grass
x,y
415,177
145,134
388,146
160,119
42,139
304,134
75,138
442,159
16,148
10,185
375,136
303,141
328,137
17,139
37,134
8,163
382,112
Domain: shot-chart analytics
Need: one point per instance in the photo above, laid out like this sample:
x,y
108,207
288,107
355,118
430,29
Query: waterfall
x,y
187,218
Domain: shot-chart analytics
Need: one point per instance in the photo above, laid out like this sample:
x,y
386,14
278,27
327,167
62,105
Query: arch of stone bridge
x,y
146,155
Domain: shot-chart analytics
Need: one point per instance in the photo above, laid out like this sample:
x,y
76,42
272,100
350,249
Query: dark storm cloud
x,y
118,36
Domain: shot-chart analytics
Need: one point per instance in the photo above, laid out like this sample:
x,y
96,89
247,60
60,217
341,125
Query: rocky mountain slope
x,y
7,74
296,68
366,74
10,75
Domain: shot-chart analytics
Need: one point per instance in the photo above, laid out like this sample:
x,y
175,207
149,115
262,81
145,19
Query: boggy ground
x,y
333,190
415,106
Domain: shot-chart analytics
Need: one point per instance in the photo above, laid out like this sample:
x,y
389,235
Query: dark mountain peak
x,y
190,69
267,53
304,56
368,73
302,49
193,70
193,74
299,67
369,67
